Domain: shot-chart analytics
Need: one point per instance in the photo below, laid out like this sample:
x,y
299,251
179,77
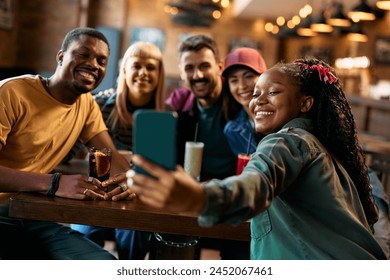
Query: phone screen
x,y
154,137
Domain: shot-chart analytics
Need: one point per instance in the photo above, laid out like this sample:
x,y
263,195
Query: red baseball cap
x,y
248,57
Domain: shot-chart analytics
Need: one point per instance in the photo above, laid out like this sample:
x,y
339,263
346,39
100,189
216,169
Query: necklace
x,y
46,82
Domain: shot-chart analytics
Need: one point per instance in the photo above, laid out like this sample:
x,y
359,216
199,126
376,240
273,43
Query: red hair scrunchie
x,y
324,73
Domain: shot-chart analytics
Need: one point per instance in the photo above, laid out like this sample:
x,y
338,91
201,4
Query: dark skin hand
x,y
117,193
92,190
171,190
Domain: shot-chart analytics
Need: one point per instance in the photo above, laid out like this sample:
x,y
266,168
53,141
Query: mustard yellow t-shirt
x,y
36,130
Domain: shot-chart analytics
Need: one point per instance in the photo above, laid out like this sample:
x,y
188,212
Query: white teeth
x,y
245,94
87,75
263,113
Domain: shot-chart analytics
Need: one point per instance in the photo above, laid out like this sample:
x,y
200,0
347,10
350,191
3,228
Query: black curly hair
x,y
75,34
334,124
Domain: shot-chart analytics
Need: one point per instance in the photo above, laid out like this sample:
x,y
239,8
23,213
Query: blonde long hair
x,y
120,115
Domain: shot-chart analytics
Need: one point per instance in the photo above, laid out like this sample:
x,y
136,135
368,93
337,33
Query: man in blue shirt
x,y
200,103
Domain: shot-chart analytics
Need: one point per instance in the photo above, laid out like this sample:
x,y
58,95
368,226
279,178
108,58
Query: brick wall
x,y
40,26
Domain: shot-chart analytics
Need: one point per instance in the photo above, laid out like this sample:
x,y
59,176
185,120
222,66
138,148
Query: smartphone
x,y
154,137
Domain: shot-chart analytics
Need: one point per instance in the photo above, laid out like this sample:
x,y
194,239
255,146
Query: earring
x,y
60,62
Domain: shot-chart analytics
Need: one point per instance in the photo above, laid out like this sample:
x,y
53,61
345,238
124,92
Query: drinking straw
x,y
249,143
196,132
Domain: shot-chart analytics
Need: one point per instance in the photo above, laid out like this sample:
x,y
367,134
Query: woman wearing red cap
x,y
243,66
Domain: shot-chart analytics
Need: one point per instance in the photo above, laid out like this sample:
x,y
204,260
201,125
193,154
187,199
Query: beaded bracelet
x,y
55,182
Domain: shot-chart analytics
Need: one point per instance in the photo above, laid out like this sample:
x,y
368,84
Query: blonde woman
x,y
140,84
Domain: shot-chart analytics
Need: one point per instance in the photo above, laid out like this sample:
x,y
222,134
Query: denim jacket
x,y
301,201
239,133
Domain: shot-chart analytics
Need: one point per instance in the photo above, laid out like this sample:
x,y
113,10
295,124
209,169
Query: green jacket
x,y
302,202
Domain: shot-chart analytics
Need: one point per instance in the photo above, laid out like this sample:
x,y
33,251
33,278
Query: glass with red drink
x,y
242,161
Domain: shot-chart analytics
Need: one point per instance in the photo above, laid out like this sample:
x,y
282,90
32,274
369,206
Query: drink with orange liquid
x,y
100,163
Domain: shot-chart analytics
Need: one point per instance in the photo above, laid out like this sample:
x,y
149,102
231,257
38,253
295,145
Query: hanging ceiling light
x,y
338,18
286,31
383,4
356,34
320,25
304,28
362,12
195,12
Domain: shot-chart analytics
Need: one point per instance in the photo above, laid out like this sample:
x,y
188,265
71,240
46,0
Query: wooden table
x,y
127,215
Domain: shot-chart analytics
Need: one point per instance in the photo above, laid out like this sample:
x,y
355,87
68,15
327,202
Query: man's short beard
x,y
80,89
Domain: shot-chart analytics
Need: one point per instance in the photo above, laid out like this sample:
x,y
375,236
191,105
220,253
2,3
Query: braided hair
x,y
334,124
